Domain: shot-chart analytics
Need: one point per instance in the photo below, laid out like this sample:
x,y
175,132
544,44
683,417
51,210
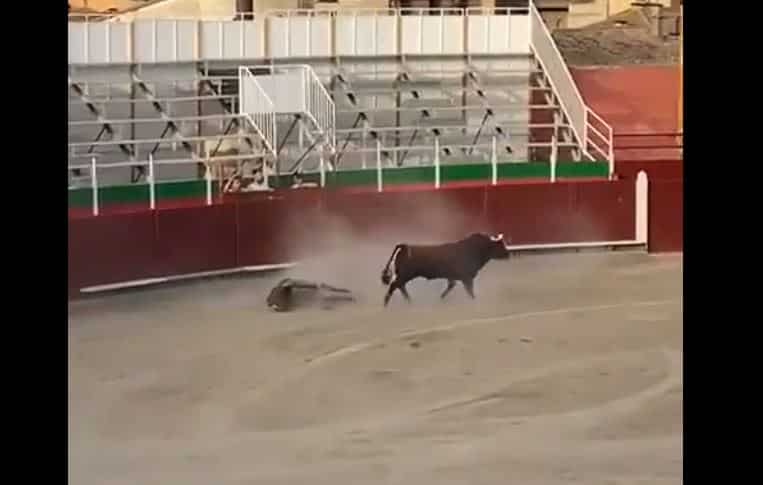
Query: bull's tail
x,y
389,270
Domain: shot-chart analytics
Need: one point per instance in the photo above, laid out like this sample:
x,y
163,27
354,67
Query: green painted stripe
x,y
345,178
125,194
582,169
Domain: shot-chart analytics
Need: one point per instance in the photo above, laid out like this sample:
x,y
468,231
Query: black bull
x,y
456,261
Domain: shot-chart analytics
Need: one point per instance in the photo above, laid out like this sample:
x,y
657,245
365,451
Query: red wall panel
x,y
111,248
195,239
666,215
530,213
563,212
274,228
604,212
421,214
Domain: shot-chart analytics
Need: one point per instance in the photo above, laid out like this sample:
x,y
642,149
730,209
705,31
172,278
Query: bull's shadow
x,y
459,261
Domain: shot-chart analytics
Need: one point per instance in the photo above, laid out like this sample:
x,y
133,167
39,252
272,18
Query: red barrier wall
x,y
666,210
271,228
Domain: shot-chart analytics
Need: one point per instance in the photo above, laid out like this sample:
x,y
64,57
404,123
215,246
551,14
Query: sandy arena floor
x,y
566,369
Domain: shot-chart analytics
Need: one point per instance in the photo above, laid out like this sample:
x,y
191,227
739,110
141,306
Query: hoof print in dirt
x,y
290,294
415,344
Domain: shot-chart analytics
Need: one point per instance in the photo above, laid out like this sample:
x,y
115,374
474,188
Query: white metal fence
x,y
258,108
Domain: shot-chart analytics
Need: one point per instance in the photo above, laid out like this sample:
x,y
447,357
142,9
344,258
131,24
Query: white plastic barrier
x,y
365,33
432,34
164,40
228,39
99,43
499,34
295,34
299,36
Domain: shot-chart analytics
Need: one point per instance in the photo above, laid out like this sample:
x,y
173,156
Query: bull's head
x,y
499,247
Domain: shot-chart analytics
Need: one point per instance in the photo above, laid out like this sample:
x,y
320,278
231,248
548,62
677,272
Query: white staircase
x,y
291,90
582,119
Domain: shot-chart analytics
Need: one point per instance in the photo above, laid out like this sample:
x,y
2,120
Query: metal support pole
x,y
151,183
554,152
363,137
611,161
437,162
208,177
494,161
322,168
94,179
379,174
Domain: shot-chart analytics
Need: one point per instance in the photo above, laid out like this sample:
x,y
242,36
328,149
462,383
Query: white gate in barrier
x,y
296,89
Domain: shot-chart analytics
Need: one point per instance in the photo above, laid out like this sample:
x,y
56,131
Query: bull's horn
x,y
496,238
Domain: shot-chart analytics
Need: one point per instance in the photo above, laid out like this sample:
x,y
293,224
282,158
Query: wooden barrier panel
x,y
531,213
272,228
666,215
195,239
604,212
111,248
432,214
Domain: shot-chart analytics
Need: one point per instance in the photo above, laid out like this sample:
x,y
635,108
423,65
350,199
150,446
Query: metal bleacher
x,y
184,115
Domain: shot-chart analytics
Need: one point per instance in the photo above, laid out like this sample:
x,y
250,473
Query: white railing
x,y
281,34
580,115
296,89
320,106
258,108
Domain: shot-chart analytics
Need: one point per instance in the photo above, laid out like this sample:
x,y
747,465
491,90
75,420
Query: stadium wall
x,y
263,229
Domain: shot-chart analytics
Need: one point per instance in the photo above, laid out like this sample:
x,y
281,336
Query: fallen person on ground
x,y
290,294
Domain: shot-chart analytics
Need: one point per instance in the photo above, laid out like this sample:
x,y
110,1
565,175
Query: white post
x,y
265,171
94,183
364,144
151,183
322,168
642,208
379,177
611,159
554,152
437,162
208,177
494,161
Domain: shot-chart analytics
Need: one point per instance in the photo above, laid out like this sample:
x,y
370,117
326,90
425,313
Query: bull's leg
x,y
391,290
451,284
469,287
405,293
